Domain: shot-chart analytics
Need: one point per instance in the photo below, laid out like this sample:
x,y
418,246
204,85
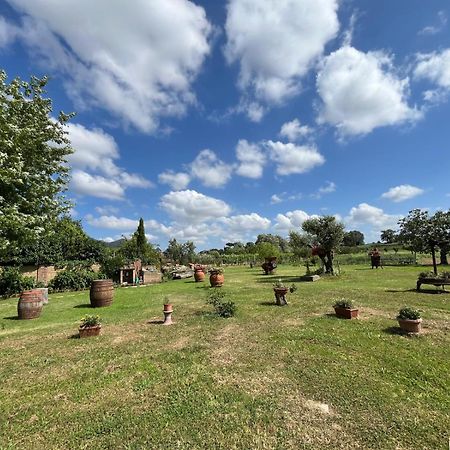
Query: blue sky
x,y
217,121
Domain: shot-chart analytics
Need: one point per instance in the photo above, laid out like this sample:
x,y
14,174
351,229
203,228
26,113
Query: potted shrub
x,y
280,291
409,320
345,309
216,277
90,326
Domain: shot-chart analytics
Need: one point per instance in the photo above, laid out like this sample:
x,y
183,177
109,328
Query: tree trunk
x,y
329,263
433,255
444,260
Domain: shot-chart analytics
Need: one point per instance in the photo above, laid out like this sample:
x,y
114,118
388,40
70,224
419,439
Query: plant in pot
x,y
280,290
216,277
90,326
345,309
409,320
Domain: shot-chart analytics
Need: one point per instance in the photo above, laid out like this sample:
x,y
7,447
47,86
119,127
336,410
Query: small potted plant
x,y
216,277
90,326
168,307
345,309
280,293
409,320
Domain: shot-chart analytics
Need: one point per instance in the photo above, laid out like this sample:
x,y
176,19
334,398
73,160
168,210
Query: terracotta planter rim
x,y
410,320
347,309
94,327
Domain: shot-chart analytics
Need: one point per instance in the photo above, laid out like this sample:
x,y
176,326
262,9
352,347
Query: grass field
x,y
270,378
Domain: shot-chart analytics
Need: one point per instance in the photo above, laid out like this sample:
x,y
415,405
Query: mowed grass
x,y
269,378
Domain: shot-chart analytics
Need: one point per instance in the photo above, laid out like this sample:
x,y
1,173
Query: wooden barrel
x,y
102,293
30,305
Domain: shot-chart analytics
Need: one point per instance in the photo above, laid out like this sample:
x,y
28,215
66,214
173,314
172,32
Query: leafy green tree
x,y
388,236
300,244
180,253
137,247
274,239
422,233
267,250
353,238
33,152
327,234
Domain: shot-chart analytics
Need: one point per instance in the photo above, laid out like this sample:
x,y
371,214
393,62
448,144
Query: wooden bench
x,y
434,281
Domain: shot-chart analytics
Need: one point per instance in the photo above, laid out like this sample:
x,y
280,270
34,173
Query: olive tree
x,y
33,169
327,234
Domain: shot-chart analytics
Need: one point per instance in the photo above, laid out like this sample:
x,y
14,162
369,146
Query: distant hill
x,y
115,244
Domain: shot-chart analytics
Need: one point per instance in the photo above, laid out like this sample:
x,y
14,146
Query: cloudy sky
x,y
216,121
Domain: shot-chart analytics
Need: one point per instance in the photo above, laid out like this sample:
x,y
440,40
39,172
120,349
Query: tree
x,y
353,238
137,247
33,170
180,253
267,250
141,240
275,240
327,234
422,233
388,236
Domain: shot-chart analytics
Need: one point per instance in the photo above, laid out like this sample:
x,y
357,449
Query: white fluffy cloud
x,y
291,158
360,92
193,207
177,181
8,32
365,214
135,59
246,222
328,188
276,42
292,220
402,192
210,170
95,185
434,67
251,159
293,130
96,151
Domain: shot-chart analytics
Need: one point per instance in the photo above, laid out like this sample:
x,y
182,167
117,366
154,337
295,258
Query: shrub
x,y
73,280
90,321
13,282
279,285
223,308
408,314
347,304
293,288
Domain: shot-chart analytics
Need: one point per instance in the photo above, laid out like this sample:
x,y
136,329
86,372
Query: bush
x,y
73,280
347,304
223,308
13,282
408,314
90,321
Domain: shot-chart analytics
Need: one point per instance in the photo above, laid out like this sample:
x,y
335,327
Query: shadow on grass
x,y
74,336
398,332
155,322
11,318
422,291
273,278
83,305
272,303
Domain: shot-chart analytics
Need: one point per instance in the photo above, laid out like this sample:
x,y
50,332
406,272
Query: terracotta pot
x,y
280,296
216,279
281,291
409,325
346,313
199,275
30,305
168,307
102,293
44,294
90,331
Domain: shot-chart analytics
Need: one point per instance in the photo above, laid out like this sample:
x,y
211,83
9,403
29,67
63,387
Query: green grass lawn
x,y
269,378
